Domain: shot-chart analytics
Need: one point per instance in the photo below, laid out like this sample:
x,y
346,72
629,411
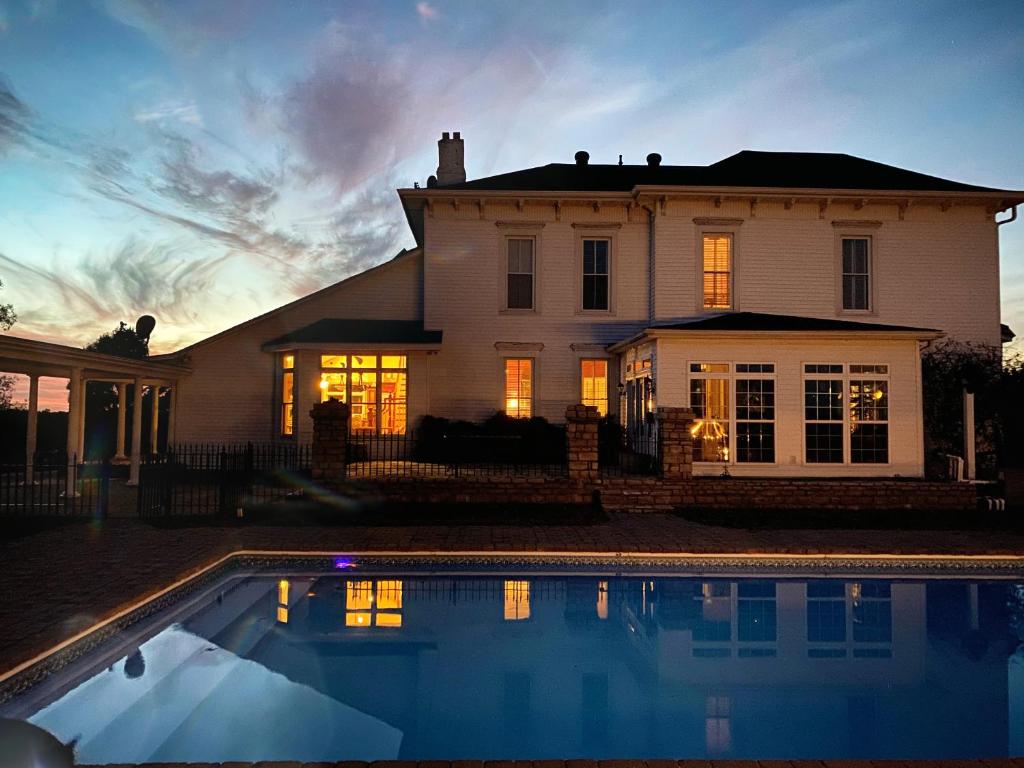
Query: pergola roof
x,y
43,358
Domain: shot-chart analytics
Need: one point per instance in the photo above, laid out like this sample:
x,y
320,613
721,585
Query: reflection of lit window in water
x,y
833,606
377,604
517,600
602,599
717,725
282,601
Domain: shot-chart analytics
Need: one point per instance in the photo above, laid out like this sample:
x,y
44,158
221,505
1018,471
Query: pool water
x,y
374,666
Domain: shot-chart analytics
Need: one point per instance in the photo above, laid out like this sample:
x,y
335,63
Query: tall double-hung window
x,y
374,386
594,384
519,387
735,410
520,275
287,403
596,272
717,271
856,255
846,413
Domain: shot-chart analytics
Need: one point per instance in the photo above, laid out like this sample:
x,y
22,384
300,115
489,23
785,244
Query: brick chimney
x,y
451,163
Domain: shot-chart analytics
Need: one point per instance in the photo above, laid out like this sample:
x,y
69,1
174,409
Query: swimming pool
x,y
374,663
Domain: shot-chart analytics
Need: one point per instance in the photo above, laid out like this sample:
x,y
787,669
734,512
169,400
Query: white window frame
x,y
845,376
596,231
732,376
608,379
857,231
718,228
534,368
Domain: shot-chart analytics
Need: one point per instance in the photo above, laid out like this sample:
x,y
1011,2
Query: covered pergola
x,y
79,366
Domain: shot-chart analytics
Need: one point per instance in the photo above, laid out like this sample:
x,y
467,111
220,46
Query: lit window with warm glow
x,y
519,387
709,399
375,386
373,604
717,272
517,600
389,594
282,592
287,424
602,600
358,595
594,384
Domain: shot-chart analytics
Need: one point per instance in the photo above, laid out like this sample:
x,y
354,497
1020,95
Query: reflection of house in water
x,y
532,667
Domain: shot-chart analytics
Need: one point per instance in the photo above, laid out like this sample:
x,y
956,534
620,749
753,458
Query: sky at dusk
x,y
207,161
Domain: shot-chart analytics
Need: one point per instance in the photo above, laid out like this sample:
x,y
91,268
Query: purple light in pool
x,y
341,562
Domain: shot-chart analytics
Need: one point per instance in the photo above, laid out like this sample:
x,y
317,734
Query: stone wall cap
x,y
578,412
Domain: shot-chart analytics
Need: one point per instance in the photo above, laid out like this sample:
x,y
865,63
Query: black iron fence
x,y
433,454
221,479
627,452
53,486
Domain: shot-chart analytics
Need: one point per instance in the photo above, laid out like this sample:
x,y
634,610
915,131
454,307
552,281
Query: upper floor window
x,y
717,270
595,274
287,395
856,273
520,273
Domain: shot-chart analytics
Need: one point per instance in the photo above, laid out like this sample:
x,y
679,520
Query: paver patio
x,y
61,581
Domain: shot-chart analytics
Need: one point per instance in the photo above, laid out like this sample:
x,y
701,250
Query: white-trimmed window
x,y
374,386
519,387
594,384
287,409
519,278
735,410
596,273
856,256
717,259
846,413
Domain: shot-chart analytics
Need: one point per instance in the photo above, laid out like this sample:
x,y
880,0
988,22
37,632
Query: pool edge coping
x,y
8,677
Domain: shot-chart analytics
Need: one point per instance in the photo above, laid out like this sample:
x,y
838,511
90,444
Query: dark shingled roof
x,y
790,170
758,321
339,331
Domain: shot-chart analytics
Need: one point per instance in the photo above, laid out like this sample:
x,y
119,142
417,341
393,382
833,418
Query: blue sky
x,y
205,161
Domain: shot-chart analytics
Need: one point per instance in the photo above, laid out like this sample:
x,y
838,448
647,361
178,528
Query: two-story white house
x,y
784,297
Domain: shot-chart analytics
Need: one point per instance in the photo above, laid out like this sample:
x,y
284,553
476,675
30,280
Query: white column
x,y
82,399
33,421
154,424
74,422
172,402
133,473
122,407
969,436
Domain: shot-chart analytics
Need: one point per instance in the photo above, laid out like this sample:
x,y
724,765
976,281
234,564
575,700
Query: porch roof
x,y
353,331
761,323
43,358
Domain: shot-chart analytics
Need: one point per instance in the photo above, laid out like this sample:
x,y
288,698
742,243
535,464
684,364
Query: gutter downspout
x,y
1013,217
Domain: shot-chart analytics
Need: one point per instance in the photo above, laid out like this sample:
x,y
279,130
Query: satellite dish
x,y
144,326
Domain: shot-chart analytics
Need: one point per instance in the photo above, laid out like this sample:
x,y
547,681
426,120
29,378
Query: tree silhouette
x,y
123,341
7,320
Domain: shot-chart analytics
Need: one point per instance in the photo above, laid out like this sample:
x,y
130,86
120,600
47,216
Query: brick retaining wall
x,y
644,494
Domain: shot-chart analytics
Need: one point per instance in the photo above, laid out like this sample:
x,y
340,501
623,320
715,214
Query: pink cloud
x,y
426,11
